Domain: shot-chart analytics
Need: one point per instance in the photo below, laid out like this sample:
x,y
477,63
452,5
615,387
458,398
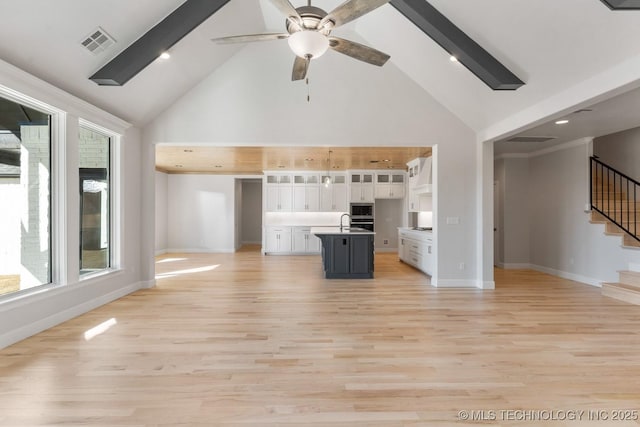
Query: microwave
x,y
362,210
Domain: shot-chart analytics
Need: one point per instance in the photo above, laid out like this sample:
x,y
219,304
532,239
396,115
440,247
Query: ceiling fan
x,y
309,33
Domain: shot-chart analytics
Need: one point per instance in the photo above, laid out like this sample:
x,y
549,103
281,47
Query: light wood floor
x,y
250,340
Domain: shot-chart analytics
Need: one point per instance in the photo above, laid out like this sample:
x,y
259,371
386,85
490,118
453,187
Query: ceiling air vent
x,y
531,138
98,41
583,110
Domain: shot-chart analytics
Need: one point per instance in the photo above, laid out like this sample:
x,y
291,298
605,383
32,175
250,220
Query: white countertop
x,y
418,234
336,230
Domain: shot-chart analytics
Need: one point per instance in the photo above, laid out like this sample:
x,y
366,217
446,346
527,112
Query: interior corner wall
x,y
620,150
201,213
563,241
162,188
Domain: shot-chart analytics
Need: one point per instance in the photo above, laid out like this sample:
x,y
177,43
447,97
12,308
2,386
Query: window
x,y
25,197
95,200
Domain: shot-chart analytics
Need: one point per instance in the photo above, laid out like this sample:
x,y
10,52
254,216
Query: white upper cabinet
x,y
361,187
278,193
306,193
333,198
390,185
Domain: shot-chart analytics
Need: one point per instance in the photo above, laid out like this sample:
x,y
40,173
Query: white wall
x,y
251,211
621,151
562,241
27,315
162,224
388,217
240,105
515,210
201,213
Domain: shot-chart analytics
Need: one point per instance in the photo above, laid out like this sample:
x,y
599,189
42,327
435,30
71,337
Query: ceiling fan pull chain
x,y
308,91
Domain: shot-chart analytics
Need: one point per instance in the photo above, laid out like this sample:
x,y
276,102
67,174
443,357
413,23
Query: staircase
x,y
615,202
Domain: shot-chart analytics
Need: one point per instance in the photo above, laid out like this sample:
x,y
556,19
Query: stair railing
x,y
615,196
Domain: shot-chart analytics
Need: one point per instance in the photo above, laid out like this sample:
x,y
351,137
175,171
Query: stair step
x,y
621,292
631,278
630,241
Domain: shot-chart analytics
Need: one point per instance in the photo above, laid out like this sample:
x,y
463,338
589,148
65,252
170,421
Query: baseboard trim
x,y
386,250
200,251
148,284
40,325
161,252
569,276
516,266
454,283
486,284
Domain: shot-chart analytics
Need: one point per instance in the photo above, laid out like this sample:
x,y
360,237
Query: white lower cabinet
x,y
417,250
305,242
291,240
278,240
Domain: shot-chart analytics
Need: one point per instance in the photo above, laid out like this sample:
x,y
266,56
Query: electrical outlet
x,y
385,242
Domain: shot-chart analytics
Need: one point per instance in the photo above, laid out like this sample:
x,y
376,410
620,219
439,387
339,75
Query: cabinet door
x,y
285,198
359,254
313,198
284,241
326,198
396,191
367,193
299,198
271,240
299,241
273,198
340,255
383,191
356,192
340,203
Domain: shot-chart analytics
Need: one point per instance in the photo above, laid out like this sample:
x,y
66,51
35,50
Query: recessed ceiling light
x,y
188,151
281,167
165,55
308,160
374,161
562,122
386,160
453,59
218,166
179,166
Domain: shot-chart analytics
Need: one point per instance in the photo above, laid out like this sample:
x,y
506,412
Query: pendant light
x,y
327,179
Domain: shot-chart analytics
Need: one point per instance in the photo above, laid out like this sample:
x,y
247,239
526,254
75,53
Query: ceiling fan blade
x,y
358,51
287,9
350,10
300,68
250,38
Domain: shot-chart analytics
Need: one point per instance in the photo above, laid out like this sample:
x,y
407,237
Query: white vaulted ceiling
x,y
556,47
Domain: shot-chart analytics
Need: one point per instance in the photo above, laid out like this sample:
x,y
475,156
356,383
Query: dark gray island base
x,y
346,254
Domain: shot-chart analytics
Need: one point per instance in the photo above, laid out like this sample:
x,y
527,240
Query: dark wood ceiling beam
x,y
159,39
457,43
622,4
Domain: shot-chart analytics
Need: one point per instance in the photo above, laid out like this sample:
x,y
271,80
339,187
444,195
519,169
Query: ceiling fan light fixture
x,y
308,44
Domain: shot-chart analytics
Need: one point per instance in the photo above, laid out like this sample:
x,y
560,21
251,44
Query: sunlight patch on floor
x,y
100,329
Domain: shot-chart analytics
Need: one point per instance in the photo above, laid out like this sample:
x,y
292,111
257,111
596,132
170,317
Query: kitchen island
x,y
347,253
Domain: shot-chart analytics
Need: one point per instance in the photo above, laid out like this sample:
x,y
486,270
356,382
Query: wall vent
x,y
531,138
98,41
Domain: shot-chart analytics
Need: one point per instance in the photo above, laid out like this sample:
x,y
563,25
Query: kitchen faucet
x,y
341,220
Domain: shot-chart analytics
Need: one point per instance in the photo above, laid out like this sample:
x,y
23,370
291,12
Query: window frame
x,y
115,205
